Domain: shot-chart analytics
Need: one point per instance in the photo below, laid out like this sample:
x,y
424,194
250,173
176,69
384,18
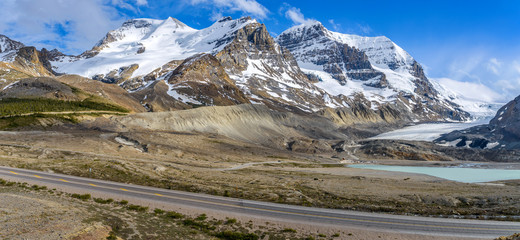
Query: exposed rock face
x,y
47,56
372,66
28,59
162,73
338,59
502,132
155,98
203,79
428,151
268,73
117,76
23,61
7,45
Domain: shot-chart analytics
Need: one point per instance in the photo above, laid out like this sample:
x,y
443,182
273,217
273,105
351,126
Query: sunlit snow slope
x,y
150,44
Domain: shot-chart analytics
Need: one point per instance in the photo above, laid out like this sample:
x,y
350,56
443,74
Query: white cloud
x,y
365,29
216,16
141,2
131,5
471,90
335,26
502,74
516,66
295,15
494,65
73,26
251,7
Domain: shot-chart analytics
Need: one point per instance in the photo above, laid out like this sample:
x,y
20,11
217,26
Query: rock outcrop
x,y
8,45
502,132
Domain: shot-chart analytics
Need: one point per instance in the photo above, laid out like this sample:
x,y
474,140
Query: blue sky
x,y
476,42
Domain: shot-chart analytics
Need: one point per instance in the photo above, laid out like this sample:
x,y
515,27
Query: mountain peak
x,y
176,22
7,44
225,19
310,24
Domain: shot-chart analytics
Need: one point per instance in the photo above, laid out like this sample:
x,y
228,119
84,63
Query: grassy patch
x,y
229,235
137,208
17,106
103,201
83,197
174,215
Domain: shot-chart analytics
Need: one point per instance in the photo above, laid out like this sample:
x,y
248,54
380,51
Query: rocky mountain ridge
x,y
168,65
374,67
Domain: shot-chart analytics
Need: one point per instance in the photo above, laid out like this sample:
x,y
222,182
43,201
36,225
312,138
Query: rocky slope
x,y
18,61
7,45
502,132
255,124
375,67
70,88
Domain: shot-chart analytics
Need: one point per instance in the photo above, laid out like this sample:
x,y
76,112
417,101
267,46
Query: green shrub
x,y
83,197
198,225
174,215
123,202
103,201
201,217
137,208
37,188
231,221
289,230
229,235
158,211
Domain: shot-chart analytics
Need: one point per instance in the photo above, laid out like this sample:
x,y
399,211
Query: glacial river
x,y
459,174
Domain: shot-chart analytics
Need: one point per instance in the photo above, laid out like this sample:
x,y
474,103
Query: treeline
x,y
17,106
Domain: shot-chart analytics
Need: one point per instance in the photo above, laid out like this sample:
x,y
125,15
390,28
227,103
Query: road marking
x,y
323,216
93,185
303,214
13,172
63,180
37,176
160,195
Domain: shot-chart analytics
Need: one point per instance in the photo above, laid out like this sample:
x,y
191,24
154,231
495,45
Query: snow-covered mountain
x,y
483,108
143,51
375,67
149,43
8,48
306,69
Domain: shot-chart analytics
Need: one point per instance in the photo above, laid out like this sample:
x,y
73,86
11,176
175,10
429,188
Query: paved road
x,y
286,213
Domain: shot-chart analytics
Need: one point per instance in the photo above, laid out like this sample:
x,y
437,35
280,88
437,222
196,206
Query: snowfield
x,y
427,131
162,41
